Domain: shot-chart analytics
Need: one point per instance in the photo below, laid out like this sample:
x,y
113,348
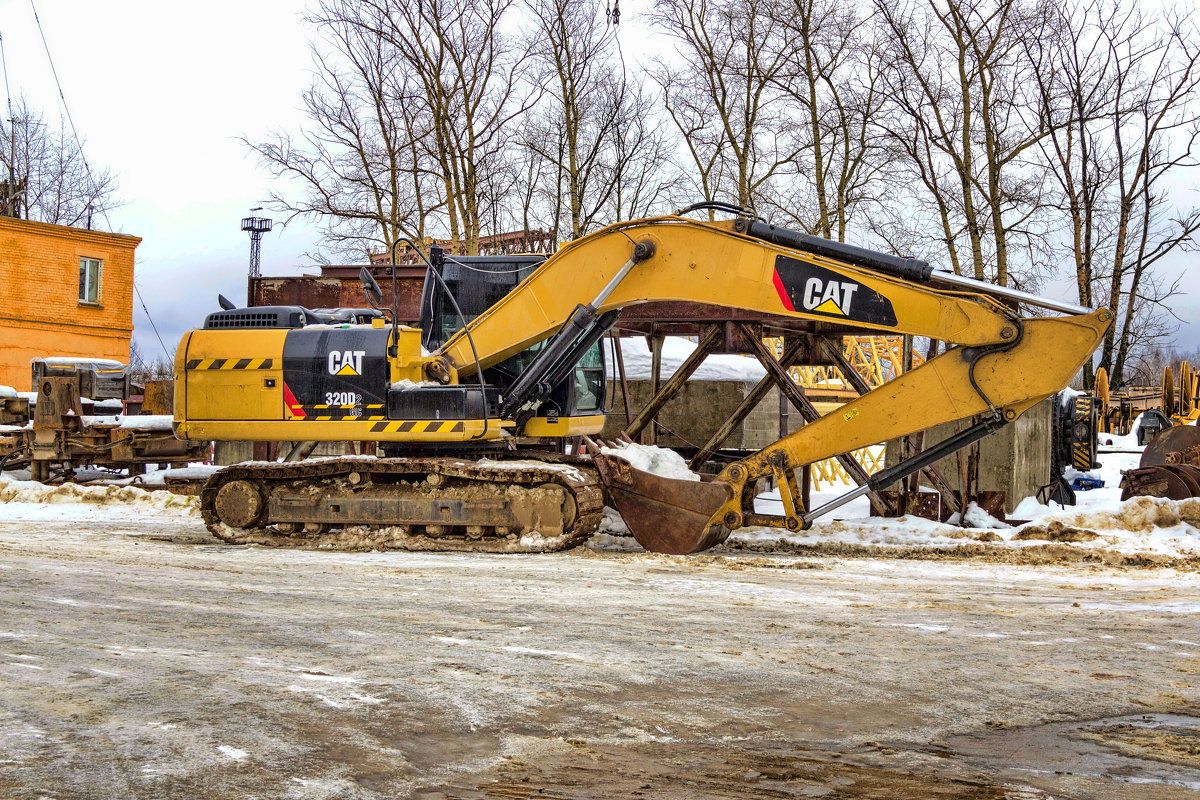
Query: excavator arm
x,y
999,364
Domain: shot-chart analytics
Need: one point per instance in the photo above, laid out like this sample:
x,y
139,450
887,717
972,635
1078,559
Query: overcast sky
x,y
161,91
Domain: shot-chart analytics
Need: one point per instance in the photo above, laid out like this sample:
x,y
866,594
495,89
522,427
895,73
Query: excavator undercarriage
x,y
366,503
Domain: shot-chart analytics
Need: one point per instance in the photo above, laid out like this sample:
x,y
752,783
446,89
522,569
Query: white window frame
x,y
90,270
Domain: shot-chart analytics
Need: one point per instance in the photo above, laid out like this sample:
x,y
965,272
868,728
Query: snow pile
x,y
675,350
152,422
70,361
565,469
1148,528
1126,442
7,391
31,500
976,517
655,460
406,384
1100,525
158,477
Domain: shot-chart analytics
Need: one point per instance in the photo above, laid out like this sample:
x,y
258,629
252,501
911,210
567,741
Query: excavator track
x,y
433,504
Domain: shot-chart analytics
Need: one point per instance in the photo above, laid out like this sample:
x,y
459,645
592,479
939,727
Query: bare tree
x,y
832,72
46,172
723,94
573,58
644,179
1121,86
469,80
958,100
361,164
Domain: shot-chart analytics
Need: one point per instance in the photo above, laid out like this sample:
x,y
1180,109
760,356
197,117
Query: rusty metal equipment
x,y
95,379
1169,467
63,435
1116,411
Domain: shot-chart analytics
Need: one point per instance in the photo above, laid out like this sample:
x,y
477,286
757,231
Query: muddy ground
x,y
144,660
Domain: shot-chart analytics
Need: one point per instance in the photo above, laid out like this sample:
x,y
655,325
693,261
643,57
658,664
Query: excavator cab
x,y
467,286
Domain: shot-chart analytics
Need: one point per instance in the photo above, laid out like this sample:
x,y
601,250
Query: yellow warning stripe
x,y
230,363
419,426
327,414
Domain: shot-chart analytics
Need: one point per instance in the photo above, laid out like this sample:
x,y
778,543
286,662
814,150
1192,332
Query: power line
x,y
7,93
87,168
66,109
152,325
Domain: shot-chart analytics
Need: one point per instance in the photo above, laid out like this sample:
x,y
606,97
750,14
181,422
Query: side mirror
x,y
370,287
225,303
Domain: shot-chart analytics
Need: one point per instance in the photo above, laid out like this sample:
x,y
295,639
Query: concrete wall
x,y
40,311
1014,459
699,409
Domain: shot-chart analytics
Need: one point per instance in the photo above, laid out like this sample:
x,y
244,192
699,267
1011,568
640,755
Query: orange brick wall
x,y
40,312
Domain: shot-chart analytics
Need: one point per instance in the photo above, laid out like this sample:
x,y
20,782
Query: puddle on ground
x,y
713,772
1140,749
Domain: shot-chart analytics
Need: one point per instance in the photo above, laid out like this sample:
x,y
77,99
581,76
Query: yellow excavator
x,y
509,347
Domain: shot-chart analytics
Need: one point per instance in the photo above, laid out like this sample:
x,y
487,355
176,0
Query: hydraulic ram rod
x,y
887,477
983,287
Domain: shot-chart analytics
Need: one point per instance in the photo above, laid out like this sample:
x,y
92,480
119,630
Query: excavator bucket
x,y
665,515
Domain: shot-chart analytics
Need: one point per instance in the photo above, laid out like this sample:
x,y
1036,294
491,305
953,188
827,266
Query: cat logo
x,y
829,297
346,362
810,288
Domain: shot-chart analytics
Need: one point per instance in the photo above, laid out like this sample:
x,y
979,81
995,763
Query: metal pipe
x,y
300,451
641,251
837,502
1002,291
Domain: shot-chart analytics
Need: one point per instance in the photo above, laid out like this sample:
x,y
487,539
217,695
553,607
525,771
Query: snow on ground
x,y
675,351
30,500
1099,525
